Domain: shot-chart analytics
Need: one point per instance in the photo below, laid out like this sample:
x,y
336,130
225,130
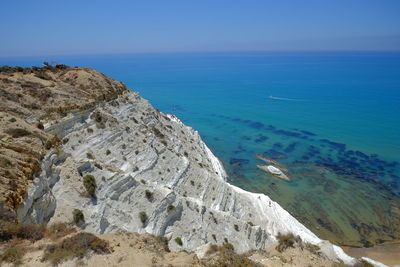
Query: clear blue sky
x,y
47,27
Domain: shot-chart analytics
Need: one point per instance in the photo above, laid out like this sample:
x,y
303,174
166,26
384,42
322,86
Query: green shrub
x,y
90,184
178,240
236,227
365,263
170,207
12,120
78,216
108,152
18,132
143,217
89,155
214,237
149,195
76,246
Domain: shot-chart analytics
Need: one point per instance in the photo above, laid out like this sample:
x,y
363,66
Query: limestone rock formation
x,y
152,174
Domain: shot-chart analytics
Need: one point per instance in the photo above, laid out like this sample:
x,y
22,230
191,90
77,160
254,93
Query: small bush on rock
x,y
178,240
149,195
143,217
78,216
90,184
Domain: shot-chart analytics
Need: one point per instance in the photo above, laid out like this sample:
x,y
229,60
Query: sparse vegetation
x,y
98,165
5,163
225,256
12,255
365,263
18,132
143,217
78,216
76,246
90,184
12,229
149,195
178,240
285,241
313,248
170,207
40,125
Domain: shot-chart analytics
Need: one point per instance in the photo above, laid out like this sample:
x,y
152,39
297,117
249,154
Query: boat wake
x,y
283,98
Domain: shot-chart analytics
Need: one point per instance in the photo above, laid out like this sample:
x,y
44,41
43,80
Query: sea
x,y
331,118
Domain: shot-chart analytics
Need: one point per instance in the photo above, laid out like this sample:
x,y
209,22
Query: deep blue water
x,y
336,110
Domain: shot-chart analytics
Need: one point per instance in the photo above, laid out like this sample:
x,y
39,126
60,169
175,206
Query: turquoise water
x,y
332,118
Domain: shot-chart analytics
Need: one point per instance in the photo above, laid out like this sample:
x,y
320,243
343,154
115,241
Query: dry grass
x,y
285,241
77,246
18,132
225,256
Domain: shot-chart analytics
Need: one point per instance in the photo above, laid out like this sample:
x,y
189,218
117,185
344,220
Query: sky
x,y
51,27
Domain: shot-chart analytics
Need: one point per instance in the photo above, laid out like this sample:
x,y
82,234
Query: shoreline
x,y
387,253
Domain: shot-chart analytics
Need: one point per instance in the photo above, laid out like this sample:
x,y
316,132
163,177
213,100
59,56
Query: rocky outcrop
x,y
153,175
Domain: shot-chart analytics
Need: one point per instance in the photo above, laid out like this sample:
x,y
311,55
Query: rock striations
x,y
152,175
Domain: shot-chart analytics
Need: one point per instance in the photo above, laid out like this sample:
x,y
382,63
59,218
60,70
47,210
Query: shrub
x,y
313,248
214,237
226,256
163,241
89,155
18,132
76,246
285,241
5,163
178,240
12,255
143,217
236,227
108,152
365,263
78,216
98,166
149,195
97,116
57,230
12,120
40,125
90,184
250,223
170,207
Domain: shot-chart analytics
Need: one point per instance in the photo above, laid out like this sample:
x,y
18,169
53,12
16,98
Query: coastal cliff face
x,y
152,173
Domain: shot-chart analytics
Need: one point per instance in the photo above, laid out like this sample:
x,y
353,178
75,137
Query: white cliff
x,y
129,147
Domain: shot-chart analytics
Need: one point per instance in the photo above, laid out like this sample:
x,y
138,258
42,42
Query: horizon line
x,y
204,52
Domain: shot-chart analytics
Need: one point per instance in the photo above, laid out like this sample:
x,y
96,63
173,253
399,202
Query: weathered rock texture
x,y
153,175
